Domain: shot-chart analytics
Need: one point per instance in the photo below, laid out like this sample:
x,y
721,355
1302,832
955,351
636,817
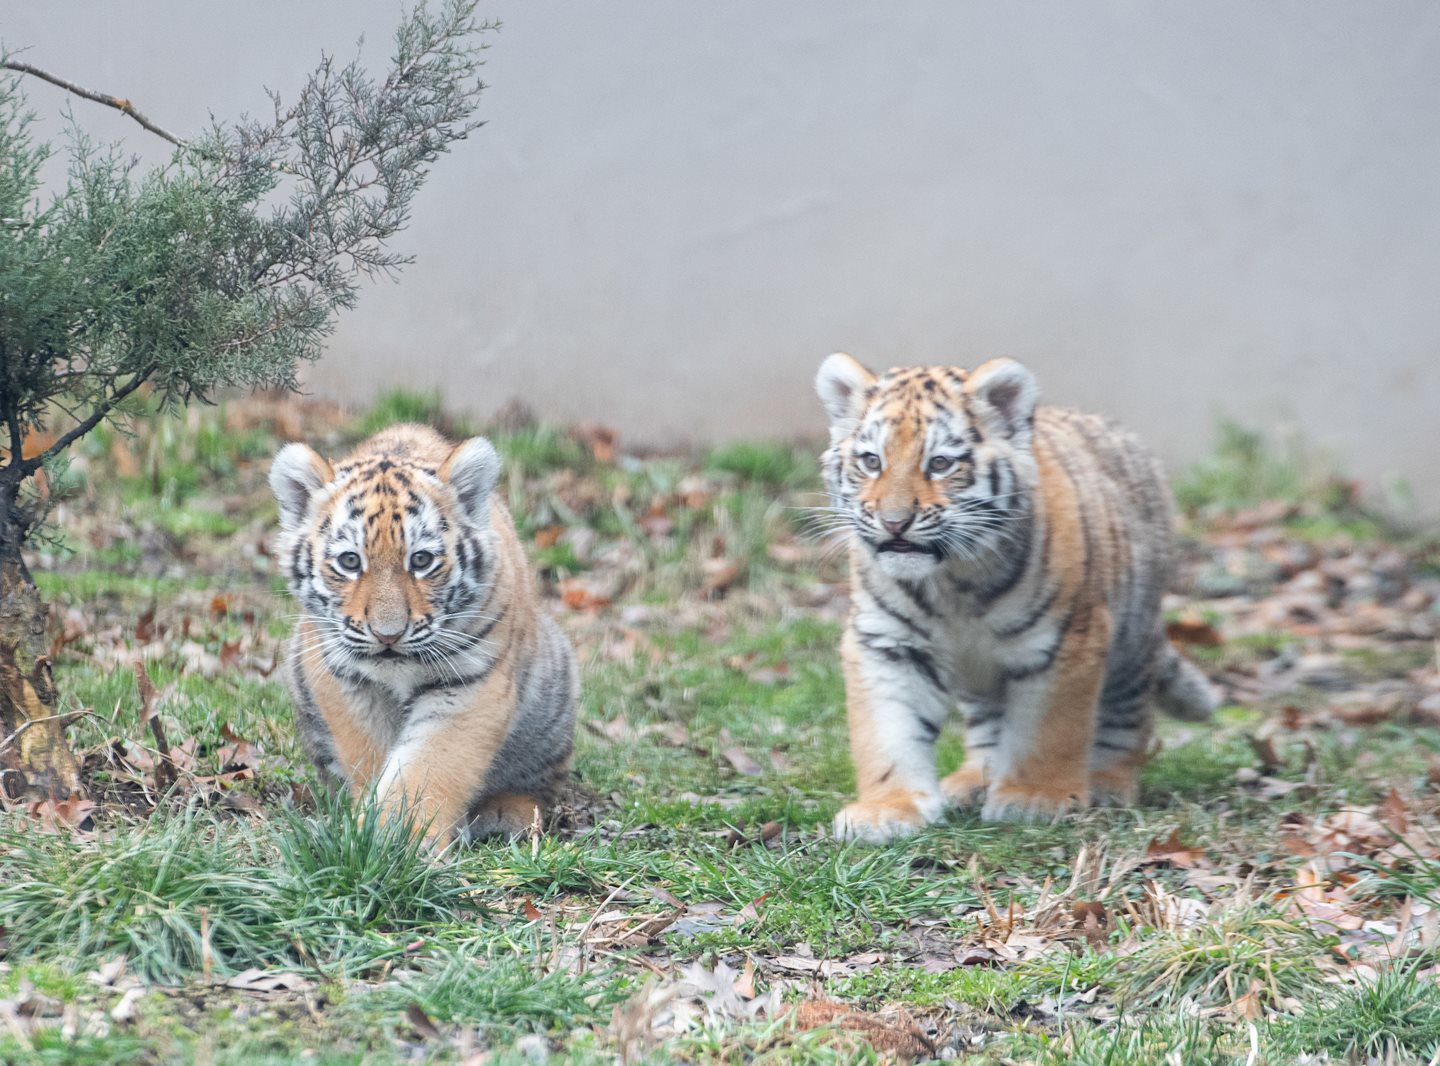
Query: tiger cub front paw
x,y
1010,801
965,786
889,817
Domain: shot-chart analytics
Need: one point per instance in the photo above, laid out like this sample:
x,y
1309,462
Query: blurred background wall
x,y
1173,213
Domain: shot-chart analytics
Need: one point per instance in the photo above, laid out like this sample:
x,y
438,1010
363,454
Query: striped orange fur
x,y
424,666
1008,559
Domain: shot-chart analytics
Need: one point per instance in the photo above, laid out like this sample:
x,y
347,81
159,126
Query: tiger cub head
x,y
390,550
928,464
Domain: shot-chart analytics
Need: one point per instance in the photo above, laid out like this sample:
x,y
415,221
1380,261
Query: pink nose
x,y
387,638
896,527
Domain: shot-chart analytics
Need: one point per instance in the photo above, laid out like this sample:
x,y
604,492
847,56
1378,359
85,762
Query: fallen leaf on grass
x,y
804,964
601,440
696,997
1264,749
1322,901
1193,631
73,814
127,1008
238,753
548,536
719,575
893,1033
741,761
1393,812
1171,851
578,595
258,980
745,985
107,973
421,1023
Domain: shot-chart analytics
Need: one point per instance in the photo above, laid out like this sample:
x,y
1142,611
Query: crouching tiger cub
x,y
1007,558
423,666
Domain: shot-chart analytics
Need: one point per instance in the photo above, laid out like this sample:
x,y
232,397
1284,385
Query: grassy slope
x,y
713,742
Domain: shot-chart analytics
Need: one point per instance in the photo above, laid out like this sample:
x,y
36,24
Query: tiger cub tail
x,y
1181,690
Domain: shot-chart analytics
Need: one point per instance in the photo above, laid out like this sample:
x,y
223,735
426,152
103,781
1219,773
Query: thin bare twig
x,y
119,103
102,409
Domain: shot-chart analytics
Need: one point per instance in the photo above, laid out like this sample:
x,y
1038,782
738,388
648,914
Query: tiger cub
x,y
423,666
1009,558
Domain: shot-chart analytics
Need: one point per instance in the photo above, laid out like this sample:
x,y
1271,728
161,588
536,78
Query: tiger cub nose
x,y
385,637
896,526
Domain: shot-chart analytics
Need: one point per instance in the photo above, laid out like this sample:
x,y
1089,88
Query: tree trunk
x,y
34,756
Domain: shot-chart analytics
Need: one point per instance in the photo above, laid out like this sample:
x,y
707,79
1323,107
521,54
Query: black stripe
x,y
1031,617
926,666
909,623
1021,566
1126,689
916,592
932,731
1046,660
919,659
449,683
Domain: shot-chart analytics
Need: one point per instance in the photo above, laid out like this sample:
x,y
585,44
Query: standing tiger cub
x,y
423,666
1009,558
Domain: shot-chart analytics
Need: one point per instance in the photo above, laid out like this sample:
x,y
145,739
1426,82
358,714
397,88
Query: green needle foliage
x,y
224,267
227,265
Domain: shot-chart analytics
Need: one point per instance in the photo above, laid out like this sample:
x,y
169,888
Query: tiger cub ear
x,y
295,476
1007,394
473,470
841,384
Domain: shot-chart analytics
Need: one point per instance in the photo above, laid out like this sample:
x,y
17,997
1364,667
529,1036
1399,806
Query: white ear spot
x,y
296,475
473,471
1007,393
841,384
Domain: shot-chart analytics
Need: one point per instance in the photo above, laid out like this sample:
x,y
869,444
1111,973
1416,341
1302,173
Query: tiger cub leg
x,y
966,785
1042,768
438,765
1122,736
895,714
506,814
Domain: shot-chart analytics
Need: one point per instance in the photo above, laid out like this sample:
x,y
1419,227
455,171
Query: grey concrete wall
x,y
1171,211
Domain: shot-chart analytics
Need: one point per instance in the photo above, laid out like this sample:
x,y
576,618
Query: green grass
x,y
1242,472
770,465
400,405
1394,1017
1152,1041
723,722
538,450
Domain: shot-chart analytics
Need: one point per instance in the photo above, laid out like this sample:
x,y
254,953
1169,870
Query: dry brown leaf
x,y
601,440
745,984
1394,813
1264,749
1193,631
548,536
578,595
72,814
421,1023
257,980
719,575
1172,851
741,761
894,1033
